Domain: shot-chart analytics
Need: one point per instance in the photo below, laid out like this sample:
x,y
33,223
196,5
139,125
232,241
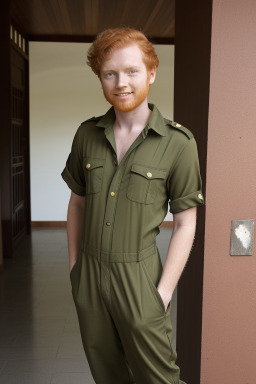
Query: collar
x,y
156,121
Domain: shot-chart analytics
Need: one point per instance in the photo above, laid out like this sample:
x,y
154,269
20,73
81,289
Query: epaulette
x,y
180,128
92,119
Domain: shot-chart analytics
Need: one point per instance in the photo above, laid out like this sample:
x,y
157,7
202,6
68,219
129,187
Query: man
x,y
123,169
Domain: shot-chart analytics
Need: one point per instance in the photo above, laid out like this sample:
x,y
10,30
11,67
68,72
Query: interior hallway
x,y
39,336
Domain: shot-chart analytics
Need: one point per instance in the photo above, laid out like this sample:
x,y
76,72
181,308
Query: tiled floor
x,y
39,335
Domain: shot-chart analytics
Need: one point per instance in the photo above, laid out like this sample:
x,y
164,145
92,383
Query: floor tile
x,y
2,365
72,378
26,378
70,365
29,352
33,366
70,350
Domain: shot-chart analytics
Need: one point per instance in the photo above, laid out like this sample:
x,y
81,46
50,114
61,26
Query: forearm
x,y
178,252
74,231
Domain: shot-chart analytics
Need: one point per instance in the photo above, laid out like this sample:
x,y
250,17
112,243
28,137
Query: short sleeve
x,y
73,173
185,185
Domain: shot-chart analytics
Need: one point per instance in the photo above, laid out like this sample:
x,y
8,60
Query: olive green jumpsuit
x,y
126,332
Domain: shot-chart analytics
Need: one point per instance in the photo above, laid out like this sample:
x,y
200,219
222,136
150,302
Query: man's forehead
x,y
132,49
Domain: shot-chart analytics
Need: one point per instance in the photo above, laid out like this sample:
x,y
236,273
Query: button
x,y
108,224
177,125
149,174
88,166
112,193
200,196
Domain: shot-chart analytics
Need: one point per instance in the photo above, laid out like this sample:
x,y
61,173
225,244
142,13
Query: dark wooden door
x,y
20,199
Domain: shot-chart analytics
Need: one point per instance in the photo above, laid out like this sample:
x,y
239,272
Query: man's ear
x,y
152,75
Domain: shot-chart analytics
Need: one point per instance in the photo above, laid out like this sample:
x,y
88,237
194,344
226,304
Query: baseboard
x,y
58,224
63,224
167,224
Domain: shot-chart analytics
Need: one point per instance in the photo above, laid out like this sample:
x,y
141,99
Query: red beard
x,y
129,104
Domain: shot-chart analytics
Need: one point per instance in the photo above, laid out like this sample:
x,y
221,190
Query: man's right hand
x,y
75,226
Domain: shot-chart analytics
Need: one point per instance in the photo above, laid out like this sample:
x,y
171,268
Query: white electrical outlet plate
x,y
241,239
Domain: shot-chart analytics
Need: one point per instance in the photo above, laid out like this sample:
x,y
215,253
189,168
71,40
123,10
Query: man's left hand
x,y
166,297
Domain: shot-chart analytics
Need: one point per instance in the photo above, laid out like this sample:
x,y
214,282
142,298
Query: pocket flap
x,y
90,164
148,172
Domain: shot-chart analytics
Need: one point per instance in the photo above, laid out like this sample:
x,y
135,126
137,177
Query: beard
x,y
127,105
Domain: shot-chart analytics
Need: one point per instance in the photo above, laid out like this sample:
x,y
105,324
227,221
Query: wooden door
x,y
20,199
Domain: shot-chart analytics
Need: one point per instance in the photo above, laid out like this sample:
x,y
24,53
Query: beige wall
x,y
63,93
229,296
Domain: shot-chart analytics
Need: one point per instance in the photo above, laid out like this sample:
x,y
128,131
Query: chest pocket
x,y
93,171
145,183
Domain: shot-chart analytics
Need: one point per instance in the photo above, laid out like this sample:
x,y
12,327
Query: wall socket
x,y
241,238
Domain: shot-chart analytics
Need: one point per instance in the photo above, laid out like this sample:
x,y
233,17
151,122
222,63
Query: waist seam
x,y
120,257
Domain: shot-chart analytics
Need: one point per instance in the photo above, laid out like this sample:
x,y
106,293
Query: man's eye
x,y
133,71
109,74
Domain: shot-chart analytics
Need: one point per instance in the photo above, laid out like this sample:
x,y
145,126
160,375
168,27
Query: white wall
x,y
63,93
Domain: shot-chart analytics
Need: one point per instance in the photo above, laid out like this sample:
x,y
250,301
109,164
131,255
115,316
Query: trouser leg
x,y
144,327
100,339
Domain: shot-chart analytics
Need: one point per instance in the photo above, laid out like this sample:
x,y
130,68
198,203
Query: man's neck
x,y
136,119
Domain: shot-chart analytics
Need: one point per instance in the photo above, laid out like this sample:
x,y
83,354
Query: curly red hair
x,y
115,38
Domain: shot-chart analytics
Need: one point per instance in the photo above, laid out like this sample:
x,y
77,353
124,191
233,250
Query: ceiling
x,y
82,20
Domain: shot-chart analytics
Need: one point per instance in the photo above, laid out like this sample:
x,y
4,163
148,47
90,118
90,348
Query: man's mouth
x,y
123,94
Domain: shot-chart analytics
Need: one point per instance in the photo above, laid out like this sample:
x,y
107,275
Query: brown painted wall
x,y
229,294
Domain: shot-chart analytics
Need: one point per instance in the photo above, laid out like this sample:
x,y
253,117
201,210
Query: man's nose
x,y
121,80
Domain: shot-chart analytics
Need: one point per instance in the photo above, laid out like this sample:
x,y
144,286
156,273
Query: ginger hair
x,y
111,39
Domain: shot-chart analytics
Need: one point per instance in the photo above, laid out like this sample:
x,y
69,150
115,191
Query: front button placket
x,y
109,219
108,230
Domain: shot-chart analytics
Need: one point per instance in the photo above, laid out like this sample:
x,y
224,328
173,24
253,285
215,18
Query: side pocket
x,y
73,269
153,287
75,275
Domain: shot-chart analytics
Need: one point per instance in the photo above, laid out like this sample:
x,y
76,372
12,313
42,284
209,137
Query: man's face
x,y
125,79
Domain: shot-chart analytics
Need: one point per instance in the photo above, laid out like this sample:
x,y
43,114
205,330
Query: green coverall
x,y
126,332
